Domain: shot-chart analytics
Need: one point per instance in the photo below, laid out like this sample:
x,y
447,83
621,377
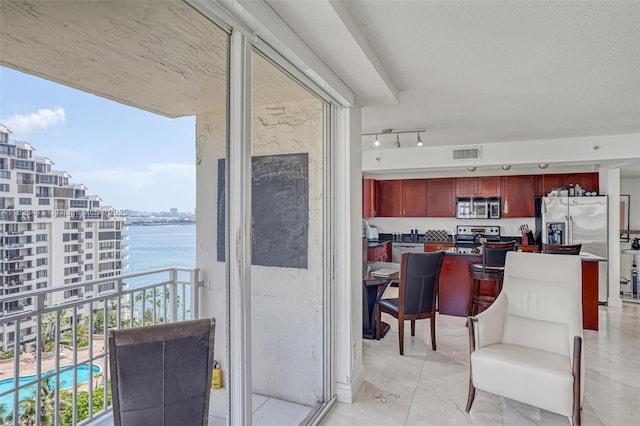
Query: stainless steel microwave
x,y
478,208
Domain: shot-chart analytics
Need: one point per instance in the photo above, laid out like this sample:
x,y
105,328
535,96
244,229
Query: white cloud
x,y
155,187
28,124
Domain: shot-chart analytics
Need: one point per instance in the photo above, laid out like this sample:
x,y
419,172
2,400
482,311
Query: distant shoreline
x,y
160,222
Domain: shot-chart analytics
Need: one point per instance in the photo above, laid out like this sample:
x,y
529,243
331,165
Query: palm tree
x,y
6,417
28,407
97,378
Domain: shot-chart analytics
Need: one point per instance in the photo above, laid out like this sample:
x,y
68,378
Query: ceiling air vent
x,y
466,154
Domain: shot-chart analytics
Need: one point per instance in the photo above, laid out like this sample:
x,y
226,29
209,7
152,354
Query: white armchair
x,y
527,345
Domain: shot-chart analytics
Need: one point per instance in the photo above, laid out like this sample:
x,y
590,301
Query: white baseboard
x,y
346,392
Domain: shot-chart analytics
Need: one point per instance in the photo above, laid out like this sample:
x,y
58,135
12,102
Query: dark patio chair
x,y
161,374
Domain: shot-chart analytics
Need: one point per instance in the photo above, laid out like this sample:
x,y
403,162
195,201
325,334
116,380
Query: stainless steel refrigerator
x,y
579,220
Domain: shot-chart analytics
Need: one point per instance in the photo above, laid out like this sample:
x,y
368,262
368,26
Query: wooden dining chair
x,y
417,294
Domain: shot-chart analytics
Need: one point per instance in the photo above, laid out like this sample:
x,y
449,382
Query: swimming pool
x,y
66,382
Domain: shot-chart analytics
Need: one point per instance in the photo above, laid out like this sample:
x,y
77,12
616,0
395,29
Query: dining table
x,y
375,280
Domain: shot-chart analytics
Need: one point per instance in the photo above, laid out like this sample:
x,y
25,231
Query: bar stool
x,y
491,269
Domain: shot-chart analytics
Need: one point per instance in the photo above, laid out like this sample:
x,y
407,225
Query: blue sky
x,y
131,158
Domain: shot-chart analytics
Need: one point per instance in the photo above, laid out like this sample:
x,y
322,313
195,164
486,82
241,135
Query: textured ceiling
x,y
477,72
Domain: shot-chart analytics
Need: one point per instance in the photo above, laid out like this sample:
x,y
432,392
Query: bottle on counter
x,y
572,190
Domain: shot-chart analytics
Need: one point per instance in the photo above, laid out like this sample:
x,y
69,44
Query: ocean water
x,y
153,247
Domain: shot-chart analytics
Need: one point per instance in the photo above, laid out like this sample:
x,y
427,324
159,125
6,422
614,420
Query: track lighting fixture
x,y
543,165
506,167
472,168
378,142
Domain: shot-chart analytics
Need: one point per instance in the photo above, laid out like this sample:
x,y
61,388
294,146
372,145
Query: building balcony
x,y
124,301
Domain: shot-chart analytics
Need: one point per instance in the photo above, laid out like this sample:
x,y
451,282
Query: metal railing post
x,y
173,289
195,314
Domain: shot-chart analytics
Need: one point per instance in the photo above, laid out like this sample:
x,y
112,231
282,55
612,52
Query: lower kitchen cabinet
x,y
381,253
431,247
454,287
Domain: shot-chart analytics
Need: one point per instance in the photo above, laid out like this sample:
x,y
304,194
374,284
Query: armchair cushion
x,y
525,374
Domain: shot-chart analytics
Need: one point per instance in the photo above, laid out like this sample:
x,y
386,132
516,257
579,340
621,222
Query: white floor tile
x,y
275,412
431,387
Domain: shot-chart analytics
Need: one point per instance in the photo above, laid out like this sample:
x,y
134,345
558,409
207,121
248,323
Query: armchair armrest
x,y
488,325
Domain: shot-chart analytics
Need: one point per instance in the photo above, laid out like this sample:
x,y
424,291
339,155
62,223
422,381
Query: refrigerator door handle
x,y
570,236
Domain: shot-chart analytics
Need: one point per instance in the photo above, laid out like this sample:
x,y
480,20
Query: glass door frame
x,y
238,215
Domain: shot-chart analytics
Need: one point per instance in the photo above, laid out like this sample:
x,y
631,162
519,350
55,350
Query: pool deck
x,y
28,360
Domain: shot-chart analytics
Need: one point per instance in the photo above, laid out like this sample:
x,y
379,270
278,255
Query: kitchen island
x,y
455,285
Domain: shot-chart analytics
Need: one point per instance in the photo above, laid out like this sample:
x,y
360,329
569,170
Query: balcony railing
x,y
64,358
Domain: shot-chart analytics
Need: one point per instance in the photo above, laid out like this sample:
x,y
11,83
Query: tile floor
x,y
430,388
266,411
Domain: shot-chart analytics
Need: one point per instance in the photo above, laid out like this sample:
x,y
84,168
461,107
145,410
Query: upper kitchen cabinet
x,y
484,186
545,183
589,181
389,198
517,192
368,198
399,198
441,197
414,197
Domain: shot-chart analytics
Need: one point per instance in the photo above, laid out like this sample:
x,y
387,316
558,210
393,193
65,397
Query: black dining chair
x,y
561,248
417,294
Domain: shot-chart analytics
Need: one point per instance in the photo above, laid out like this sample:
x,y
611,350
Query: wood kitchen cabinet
x,y
545,183
368,198
400,198
441,197
381,253
414,197
589,181
389,196
431,247
518,191
484,186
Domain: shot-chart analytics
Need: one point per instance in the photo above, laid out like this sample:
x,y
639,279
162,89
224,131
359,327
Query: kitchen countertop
x,y
373,244
584,255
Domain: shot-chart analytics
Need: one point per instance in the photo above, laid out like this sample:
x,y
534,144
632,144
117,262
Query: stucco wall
x,y
287,303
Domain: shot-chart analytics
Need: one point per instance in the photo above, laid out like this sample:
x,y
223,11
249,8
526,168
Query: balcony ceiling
x,y
476,72
163,56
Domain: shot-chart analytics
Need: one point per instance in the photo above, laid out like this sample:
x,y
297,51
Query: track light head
x,y
419,141
397,144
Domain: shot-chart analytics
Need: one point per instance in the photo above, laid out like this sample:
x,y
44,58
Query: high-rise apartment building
x,y
51,234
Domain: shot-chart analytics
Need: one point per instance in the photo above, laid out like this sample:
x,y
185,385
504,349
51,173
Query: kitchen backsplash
x,y
510,226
